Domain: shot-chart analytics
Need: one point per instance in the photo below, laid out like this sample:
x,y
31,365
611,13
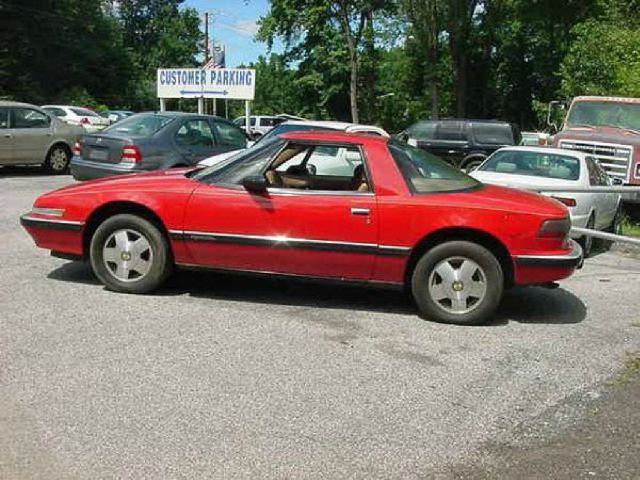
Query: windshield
x,y
141,125
533,164
596,114
426,173
245,164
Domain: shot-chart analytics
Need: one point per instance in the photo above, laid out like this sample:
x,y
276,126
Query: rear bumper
x,y
82,169
573,259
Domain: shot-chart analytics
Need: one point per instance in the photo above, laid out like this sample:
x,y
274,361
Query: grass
x,y
630,229
630,369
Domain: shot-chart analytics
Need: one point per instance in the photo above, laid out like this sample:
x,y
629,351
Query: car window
x,y
318,167
58,112
597,177
426,173
533,164
248,163
29,118
492,134
84,112
140,125
229,134
423,130
4,117
452,131
195,133
604,176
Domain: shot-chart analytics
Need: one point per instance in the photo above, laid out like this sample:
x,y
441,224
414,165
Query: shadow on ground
x,y
524,305
27,171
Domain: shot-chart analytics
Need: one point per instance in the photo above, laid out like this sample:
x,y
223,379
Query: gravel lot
x,y
231,377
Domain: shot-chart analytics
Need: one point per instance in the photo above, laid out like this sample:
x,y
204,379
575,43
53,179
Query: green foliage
x,y
603,60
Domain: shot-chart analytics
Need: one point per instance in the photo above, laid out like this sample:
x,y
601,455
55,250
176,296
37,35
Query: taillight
x,y
555,228
569,202
76,149
131,153
84,121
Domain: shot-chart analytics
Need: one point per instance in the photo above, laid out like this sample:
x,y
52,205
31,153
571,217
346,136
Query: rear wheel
x,y
586,241
472,164
457,282
129,254
57,160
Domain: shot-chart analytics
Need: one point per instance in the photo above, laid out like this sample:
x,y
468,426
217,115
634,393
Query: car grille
x,y
615,159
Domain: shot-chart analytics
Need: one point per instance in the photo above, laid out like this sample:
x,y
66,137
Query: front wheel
x,y
129,254
471,165
457,282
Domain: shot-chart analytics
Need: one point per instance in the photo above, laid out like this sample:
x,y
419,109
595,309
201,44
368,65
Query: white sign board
x,y
234,83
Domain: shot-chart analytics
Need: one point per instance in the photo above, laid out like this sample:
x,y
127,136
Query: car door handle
x,y
360,211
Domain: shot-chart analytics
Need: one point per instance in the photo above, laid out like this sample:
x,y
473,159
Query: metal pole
x,y
163,105
206,51
201,105
247,114
605,235
226,109
612,189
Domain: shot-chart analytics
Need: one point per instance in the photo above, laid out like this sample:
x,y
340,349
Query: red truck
x,y
609,129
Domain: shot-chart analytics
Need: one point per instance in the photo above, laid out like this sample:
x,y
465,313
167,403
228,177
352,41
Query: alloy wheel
x,y
127,255
457,285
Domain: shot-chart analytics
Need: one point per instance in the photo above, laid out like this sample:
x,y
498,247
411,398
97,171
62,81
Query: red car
x,y
317,204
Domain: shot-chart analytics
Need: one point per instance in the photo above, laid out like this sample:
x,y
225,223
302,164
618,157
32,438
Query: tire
x,y
482,281
586,241
123,267
58,159
472,164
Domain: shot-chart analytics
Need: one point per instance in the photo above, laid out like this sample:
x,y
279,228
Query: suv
x,y
609,129
463,143
259,125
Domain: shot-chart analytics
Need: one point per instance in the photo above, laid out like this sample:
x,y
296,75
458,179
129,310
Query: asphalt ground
x,y
234,377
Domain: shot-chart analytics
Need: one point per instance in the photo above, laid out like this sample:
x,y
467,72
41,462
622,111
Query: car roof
x,y
11,103
549,150
464,120
333,136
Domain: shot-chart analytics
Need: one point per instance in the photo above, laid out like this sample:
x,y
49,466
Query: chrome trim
x,y
28,221
282,241
318,193
572,259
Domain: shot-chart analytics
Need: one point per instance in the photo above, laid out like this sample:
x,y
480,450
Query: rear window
x,y
533,164
426,173
84,112
140,125
493,134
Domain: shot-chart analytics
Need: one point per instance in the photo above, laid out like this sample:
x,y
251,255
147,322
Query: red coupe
x,y
317,204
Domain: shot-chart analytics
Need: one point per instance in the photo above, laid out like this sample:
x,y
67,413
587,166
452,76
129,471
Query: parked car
x,y
152,141
393,215
31,136
535,168
300,126
115,115
83,117
259,125
463,143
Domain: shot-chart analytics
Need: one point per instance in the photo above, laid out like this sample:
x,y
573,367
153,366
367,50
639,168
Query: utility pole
x,y
206,48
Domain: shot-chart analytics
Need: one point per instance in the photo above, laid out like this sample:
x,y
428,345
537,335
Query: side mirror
x,y
255,184
617,181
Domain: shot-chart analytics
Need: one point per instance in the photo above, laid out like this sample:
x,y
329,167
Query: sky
x,y
233,23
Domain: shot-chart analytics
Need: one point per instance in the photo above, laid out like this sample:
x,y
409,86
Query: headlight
x,y
49,212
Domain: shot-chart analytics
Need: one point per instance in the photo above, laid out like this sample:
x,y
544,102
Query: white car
x,y
88,119
300,125
534,168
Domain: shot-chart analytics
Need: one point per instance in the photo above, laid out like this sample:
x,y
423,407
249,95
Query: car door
x,y
326,226
195,140
31,134
450,143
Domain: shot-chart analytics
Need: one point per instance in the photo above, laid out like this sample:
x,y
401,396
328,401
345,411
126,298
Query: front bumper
x,y
573,259
82,169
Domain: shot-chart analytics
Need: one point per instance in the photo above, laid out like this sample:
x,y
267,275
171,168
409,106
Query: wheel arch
x,y
55,144
480,237
482,156
107,210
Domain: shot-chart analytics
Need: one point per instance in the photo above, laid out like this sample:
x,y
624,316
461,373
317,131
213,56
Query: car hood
x,y
598,134
157,180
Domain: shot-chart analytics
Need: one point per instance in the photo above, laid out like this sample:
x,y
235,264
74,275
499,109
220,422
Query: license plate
x,y
98,154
